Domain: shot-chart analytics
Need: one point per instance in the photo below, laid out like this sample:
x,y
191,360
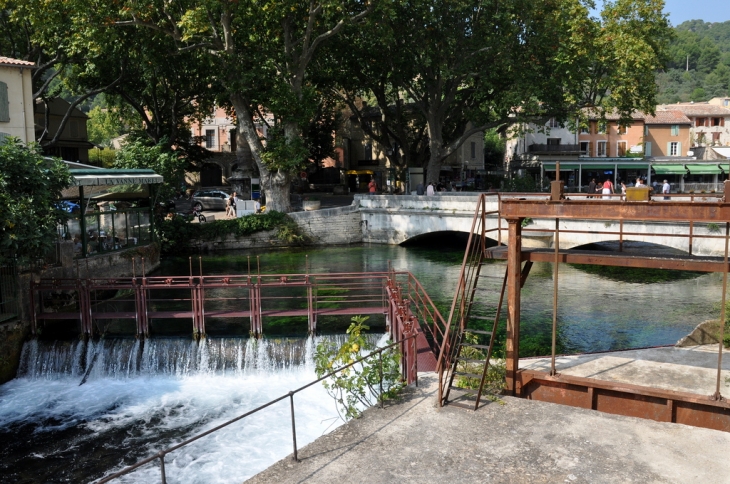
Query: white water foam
x,y
172,391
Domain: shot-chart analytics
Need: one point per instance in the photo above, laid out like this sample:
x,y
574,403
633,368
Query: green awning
x,y
599,166
563,166
669,169
725,167
635,166
703,169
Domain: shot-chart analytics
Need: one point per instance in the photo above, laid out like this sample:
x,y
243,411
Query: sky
x,y
681,10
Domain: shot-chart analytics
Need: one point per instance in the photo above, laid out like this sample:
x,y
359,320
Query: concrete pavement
x,y
511,441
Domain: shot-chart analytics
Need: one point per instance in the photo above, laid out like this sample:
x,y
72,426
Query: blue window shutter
x,y
647,148
4,103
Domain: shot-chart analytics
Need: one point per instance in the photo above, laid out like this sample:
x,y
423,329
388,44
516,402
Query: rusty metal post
x,y
514,250
293,426
499,219
691,233
556,265
382,399
717,394
621,235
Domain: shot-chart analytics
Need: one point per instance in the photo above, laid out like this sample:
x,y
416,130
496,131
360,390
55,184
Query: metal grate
x,y
8,291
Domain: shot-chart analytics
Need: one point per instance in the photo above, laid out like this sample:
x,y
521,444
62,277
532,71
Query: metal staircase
x,y
465,353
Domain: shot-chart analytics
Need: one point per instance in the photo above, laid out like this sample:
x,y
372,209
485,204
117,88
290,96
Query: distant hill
x,y
698,66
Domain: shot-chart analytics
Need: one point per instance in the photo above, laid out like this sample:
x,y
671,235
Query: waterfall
x,y
126,358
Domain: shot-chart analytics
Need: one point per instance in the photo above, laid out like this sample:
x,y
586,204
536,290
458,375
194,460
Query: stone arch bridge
x,y
390,219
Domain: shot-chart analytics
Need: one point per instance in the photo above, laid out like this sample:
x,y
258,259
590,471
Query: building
x,y
73,142
710,126
16,99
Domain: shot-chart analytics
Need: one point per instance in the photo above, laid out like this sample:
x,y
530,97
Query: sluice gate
x,y
398,296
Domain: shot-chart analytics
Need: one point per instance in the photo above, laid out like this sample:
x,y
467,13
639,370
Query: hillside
x,y
698,66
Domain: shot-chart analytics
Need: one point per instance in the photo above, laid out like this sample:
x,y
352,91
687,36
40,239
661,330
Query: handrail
x,y
161,454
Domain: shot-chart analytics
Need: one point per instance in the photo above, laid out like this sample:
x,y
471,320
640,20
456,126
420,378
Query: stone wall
x,y
258,240
12,337
331,226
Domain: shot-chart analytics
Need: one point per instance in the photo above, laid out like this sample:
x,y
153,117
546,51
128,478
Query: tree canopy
x,y
30,186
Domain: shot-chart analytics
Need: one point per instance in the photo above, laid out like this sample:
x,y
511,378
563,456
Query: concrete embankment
x,y
515,441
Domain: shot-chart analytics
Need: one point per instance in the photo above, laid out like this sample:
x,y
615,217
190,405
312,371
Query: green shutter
x,y
4,103
679,148
647,148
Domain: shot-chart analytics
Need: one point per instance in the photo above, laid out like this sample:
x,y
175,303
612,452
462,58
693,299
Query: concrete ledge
x,y
517,441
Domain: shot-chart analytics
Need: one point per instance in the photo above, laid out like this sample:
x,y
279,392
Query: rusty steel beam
x,y
664,211
616,259
514,276
625,399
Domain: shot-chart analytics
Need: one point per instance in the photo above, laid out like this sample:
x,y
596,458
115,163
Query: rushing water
x,y
137,398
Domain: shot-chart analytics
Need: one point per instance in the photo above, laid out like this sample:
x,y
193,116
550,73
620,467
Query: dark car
x,y
210,199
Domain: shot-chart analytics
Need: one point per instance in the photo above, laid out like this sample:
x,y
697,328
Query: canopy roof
x,y
103,176
704,169
669,169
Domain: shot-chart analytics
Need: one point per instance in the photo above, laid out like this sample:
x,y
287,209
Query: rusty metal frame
x,y
709,411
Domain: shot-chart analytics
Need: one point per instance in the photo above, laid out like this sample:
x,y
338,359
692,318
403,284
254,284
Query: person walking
x,y
592,188
607,187
666,188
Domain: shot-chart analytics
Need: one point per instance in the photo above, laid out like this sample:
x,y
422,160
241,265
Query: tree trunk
x,y
275,185
435,158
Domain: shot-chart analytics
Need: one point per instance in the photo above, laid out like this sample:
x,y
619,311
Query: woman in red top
x,y
373,187
607,187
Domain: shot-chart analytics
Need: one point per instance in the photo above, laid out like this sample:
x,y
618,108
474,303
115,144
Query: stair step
x,y
465,391
470,345
478,331
461,405
471,360
468,375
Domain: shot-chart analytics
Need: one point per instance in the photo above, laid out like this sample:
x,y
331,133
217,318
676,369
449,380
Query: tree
x,y
104,125
261,53
30,186
165,162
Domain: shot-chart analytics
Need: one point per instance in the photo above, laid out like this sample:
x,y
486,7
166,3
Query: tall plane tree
x,y
262,52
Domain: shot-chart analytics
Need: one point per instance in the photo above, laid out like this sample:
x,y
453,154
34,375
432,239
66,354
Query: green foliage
x,y
713,228
103,125
136,154
285,154
290,233
177,233
29,187
104,158
494,382
358,386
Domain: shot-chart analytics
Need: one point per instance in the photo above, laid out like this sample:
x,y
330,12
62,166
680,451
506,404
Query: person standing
x,y
666,188
623,188
429,190
607,187
372,186
592,188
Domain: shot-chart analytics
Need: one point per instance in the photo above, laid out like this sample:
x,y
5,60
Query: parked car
x,y
210,199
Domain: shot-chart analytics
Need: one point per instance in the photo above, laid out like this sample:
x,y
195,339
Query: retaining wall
x,y
331,226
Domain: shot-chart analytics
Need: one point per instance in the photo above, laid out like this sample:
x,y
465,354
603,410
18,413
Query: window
x,y
647,149
553,123
700,137
232,137
4,103
585,148
621,148
646,130
600,148
368,151
674,148
73,127
209,138
553,141
675,130
701,122
585,129
473,150
715,138
601,127
621,129
718,121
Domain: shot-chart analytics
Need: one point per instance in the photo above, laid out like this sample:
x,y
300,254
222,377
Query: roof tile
x,y
9,61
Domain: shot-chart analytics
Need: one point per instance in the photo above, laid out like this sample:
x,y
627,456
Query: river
x,y
53,429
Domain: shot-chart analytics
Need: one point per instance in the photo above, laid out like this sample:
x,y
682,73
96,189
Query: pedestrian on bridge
x,y
607,187
666,188
592,187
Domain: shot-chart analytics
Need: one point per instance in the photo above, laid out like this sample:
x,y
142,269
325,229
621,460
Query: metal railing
x,y
161,454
